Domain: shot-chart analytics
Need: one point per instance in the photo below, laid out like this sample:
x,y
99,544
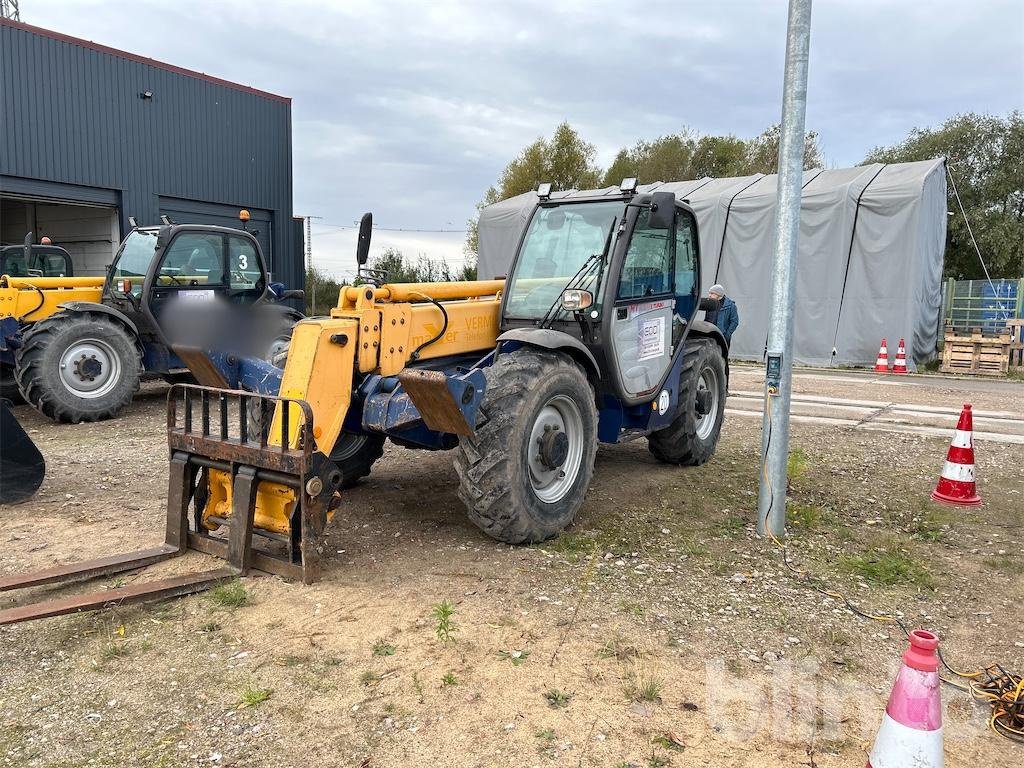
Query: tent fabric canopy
x,y
872,240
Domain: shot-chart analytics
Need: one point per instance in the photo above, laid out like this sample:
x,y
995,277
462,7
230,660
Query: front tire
x,y
525,471
692,436
76,367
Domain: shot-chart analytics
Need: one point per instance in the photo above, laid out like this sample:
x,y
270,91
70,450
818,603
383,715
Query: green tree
x,y
667,158
565,160
985,155
321,291
762,155
424,269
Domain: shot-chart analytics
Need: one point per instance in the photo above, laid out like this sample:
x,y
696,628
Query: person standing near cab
x,y
727,316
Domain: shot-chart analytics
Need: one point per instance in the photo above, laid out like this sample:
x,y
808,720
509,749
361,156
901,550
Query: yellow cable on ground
x,y
1002,690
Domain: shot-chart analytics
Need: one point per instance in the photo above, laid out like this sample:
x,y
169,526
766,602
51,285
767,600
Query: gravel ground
x,y
658,630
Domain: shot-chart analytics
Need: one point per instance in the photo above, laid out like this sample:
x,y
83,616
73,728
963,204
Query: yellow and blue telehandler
x,y
592,337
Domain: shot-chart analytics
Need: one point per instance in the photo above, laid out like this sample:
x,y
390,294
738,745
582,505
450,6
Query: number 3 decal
x,y
243,261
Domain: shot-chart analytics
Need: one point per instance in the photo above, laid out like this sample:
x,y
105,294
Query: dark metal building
x,y
90,135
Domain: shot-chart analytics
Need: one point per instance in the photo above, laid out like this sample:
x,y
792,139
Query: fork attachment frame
x,y
208,430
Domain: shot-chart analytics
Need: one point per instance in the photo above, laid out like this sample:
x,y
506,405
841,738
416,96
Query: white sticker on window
x,y
651,337
196,295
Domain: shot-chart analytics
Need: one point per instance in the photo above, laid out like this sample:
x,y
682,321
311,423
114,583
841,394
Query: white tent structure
x,y
872,240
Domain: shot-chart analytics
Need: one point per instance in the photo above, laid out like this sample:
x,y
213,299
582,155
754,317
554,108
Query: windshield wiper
x,y
576,280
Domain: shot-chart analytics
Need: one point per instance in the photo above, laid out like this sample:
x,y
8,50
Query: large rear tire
x,y
524,473
692,436
78,366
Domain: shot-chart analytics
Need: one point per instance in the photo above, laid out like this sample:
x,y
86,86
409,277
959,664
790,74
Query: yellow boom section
x,y
372,330
35,298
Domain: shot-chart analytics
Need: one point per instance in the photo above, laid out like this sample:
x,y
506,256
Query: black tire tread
x,y
31,377
484,462
677,443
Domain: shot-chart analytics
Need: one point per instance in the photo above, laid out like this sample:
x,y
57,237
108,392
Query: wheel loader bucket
x,y
22,466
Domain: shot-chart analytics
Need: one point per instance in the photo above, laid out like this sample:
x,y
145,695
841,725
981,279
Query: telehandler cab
x,y
592,337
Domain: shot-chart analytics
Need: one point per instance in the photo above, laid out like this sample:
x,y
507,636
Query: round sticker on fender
x,y
663,402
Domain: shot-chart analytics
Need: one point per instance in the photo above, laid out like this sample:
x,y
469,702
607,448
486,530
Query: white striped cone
x,y
911,731
957,484
882,361
900,366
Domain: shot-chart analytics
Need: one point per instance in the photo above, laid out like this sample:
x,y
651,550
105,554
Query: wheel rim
x,y
278,346
348,445
559,414
708,382
90,368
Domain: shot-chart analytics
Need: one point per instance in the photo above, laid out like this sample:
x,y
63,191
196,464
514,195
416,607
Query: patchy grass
x,y
643,688
557,698
449,679
807,516
732,526
1005,564
368,678
231,594
888,568
445,627
383,648
113,650
618,649
253,697
516,656
796,464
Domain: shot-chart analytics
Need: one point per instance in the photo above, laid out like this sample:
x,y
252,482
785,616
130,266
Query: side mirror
x,y
363,244
707,304
27,248
663,210
295,293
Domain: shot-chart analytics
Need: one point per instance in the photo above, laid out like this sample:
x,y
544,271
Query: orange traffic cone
x,y
957,486
911,729
900,366
882,362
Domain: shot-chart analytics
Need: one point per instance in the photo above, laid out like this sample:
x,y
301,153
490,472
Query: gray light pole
x,y
771,502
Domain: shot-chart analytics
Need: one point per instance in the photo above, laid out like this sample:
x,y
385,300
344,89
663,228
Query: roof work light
x,y
544,190
628,186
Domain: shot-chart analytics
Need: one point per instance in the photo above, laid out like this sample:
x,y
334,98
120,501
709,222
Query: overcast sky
x,y
411,109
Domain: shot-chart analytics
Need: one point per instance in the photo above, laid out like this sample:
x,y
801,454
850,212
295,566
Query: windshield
x,y
134,260
558,243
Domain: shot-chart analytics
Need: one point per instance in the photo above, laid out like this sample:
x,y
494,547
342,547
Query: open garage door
x,y
192,212
90,233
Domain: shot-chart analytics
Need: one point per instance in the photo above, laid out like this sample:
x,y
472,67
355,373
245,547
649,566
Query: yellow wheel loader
x,y
78,347
593,337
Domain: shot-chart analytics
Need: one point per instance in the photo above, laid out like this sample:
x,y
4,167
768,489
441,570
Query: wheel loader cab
x,y
621,276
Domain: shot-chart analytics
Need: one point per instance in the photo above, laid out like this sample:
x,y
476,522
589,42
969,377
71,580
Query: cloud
x,y
411,109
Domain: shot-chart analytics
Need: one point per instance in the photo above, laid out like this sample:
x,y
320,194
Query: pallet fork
x,y
211,430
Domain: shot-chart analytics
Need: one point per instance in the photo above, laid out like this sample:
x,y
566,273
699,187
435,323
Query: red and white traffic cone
x,y
911,729
956,486
900,366
882,362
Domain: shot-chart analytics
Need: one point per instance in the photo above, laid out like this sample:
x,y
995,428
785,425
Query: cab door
x,y
642,325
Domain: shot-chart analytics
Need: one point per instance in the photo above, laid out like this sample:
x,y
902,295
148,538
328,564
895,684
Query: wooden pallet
x,y
972,352
1016,343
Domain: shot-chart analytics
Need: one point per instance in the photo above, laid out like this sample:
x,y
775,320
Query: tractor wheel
x,y
77,367
525,471
692,436
354,452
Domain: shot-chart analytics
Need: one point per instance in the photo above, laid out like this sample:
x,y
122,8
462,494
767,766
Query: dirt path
x,y
659,630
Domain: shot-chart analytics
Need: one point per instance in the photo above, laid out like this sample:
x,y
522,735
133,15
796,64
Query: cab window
x,y
246,274
194,259
686,265
647,268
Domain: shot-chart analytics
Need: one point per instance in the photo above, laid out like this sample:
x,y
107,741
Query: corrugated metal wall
x,y
74,115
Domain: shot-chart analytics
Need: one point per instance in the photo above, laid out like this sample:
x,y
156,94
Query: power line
x,y
394,229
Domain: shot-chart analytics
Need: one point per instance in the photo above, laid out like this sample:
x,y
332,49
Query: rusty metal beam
x,y
174,586
103,566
